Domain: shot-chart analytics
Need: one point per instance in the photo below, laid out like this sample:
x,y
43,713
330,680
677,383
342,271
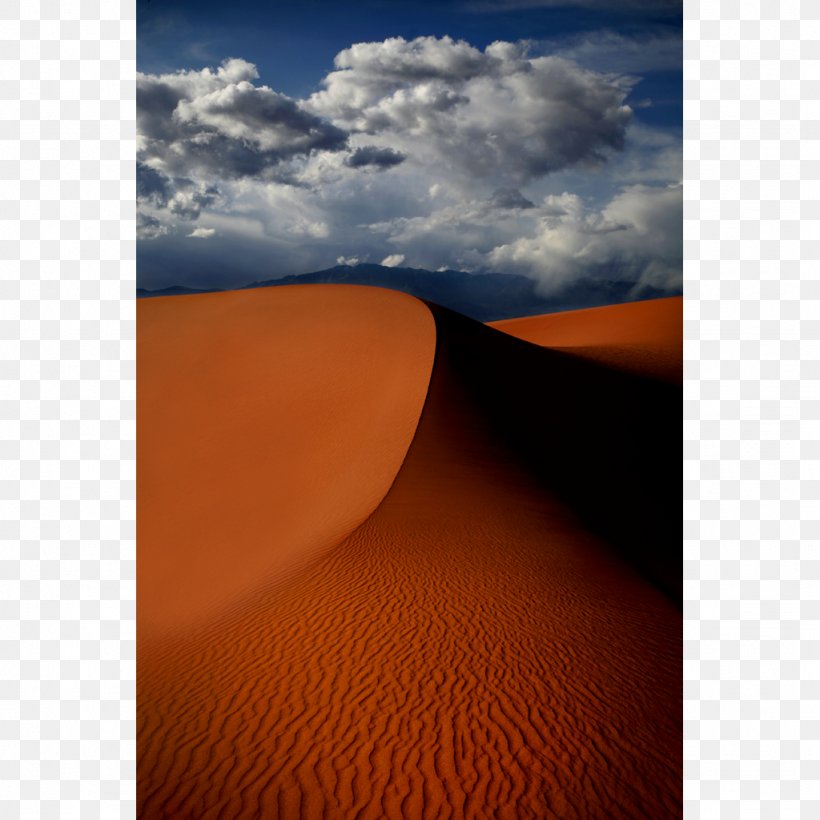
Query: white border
x,y
67,125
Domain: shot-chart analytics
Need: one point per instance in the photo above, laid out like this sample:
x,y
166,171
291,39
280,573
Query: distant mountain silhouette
x,y
174,290
482,296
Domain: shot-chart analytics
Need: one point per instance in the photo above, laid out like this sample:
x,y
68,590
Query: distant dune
x,y
495,632
642,337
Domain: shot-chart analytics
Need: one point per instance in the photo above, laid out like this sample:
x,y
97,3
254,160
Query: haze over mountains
x,y
486,297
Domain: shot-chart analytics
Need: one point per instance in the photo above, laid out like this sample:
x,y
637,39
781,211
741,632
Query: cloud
x,y
611,51
636,237
493,113
472,227
510,198
149,227
370,155
458,236
650,156
448,107
152,185
309,228
179,197
271,122
376,67
479,145
219,124
202,233
159,95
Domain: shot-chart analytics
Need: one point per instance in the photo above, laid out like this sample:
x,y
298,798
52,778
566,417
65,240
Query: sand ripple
x,y
471,650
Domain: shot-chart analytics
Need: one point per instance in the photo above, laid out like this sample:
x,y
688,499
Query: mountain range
x,y
486,297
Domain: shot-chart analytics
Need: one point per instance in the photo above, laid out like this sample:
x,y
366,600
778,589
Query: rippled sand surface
x,y
498,637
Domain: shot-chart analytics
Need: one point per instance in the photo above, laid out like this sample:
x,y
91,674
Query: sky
x,y
538,137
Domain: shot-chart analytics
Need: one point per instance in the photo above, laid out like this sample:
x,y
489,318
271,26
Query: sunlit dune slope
x,y
641,337
271,424
481,646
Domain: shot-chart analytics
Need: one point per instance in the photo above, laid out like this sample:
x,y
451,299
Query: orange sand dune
x,y
271,424
488,643
643,337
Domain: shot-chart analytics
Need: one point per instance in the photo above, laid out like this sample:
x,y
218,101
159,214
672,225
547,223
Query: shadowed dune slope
x,y
473,649
602,437
640,337
271,424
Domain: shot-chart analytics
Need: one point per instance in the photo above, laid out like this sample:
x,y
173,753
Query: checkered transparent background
x,y
67,273
752,410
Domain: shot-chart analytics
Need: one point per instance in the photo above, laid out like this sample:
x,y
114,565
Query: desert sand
x,y
642,337
499,637
270,426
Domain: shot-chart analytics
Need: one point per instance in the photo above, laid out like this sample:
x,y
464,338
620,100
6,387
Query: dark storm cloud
x,y
159,95
370,155
510,198
153,186
262,117
218,124
187,203
182,197
149,227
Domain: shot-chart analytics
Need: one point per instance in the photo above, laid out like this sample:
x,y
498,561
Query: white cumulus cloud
x,y
637,237
495,112
394,260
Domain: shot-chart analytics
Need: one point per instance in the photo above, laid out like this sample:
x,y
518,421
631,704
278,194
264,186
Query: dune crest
x,y
270,424
476,647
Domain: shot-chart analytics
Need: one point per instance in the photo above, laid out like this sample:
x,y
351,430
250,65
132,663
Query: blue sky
x,y
293,44
359,162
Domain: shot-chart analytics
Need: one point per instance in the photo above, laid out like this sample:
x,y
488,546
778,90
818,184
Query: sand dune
x,y
641,337
499,638
270,426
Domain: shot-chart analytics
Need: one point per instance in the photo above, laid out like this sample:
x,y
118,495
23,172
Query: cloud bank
x,y
427,152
